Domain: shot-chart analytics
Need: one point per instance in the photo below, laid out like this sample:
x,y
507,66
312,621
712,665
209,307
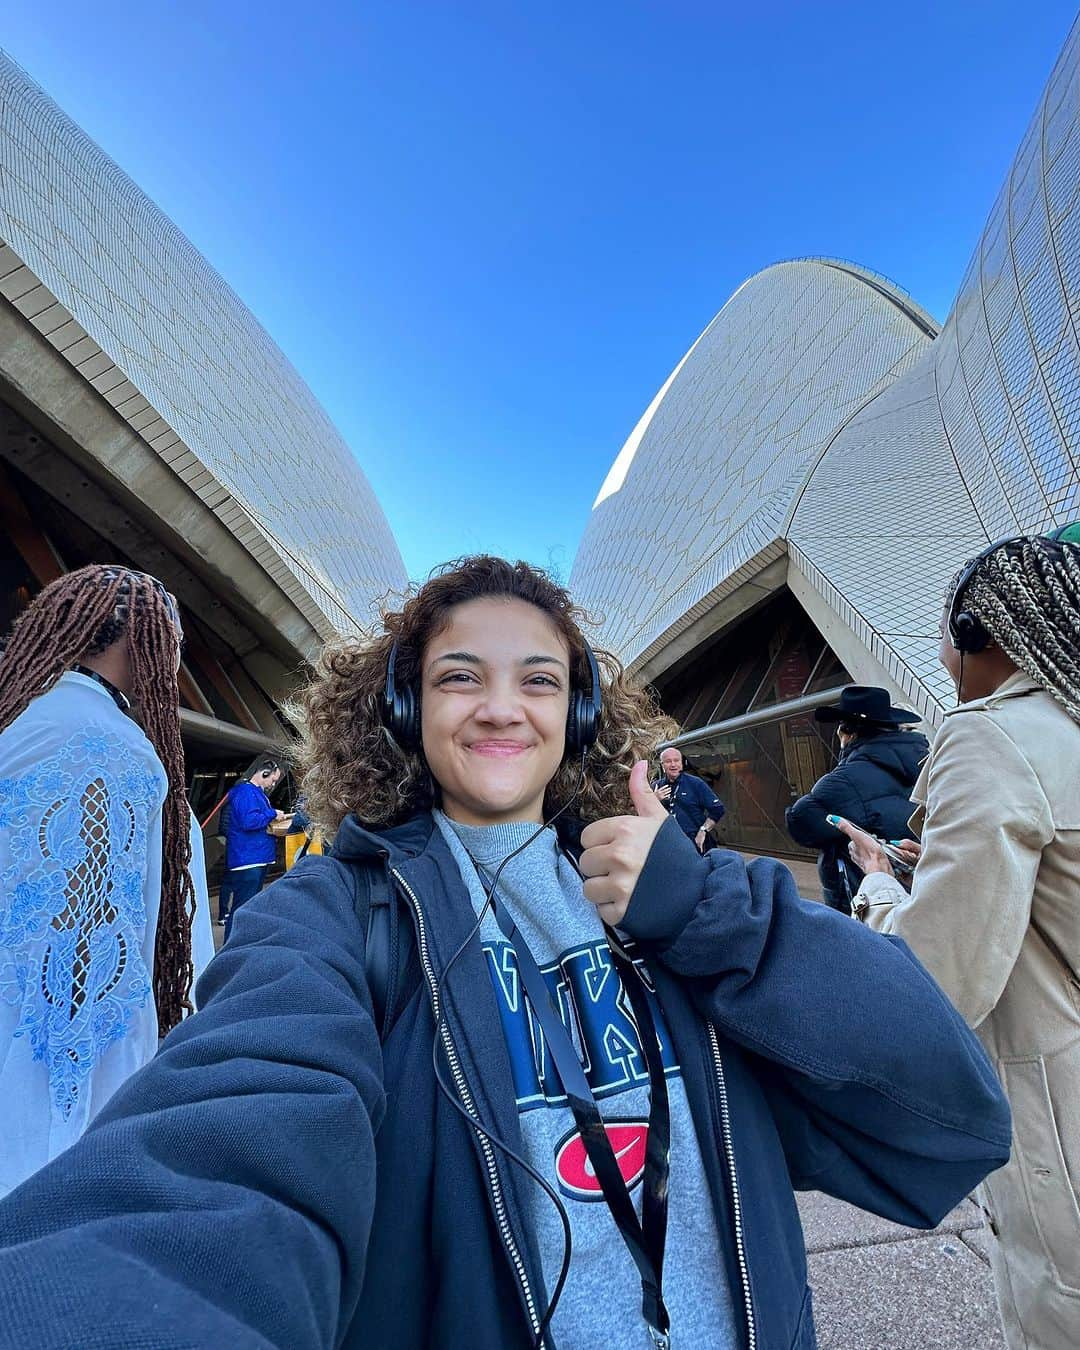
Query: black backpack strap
x,y
377,958
377,909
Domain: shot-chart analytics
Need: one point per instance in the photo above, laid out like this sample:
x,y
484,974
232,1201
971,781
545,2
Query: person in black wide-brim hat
x,y
866,704
871,785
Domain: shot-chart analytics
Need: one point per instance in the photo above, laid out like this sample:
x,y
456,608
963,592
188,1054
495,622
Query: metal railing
x,y
774,712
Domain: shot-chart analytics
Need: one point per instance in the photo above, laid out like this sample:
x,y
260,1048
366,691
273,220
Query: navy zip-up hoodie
x,y
276,1177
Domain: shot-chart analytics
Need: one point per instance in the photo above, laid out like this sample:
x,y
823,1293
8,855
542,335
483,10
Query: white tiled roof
x,y
129,302
818,413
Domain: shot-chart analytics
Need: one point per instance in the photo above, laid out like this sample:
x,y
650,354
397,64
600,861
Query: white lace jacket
x,y
81,791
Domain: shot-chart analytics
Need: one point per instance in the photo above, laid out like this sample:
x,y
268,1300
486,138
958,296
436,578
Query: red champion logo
x,y
575,1171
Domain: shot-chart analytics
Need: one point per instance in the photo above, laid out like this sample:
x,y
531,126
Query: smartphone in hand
x,y
899,861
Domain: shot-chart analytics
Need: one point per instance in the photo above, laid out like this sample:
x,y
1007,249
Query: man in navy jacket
x,y
688,798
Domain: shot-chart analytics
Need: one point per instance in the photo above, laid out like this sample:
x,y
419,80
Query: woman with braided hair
x,y
96,891
994,907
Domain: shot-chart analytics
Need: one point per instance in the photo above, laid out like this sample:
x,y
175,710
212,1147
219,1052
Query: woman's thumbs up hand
x,y
615,849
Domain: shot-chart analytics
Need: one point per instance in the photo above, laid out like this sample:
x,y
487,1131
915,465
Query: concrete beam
x,y
865,668
730,609
51,395
218,735
62,479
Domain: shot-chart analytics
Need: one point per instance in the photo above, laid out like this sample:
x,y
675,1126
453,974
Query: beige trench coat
x,y
994,915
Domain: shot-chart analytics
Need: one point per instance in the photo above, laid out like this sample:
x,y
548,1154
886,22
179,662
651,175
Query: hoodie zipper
x,y
736,1202
464,1093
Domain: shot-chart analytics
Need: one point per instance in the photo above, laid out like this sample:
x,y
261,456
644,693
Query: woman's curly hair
x,y
348,761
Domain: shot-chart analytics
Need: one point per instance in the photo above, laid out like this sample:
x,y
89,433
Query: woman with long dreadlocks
x,y
994,908
96,893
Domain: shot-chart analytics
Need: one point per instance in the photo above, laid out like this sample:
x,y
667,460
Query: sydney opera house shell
x,y
788,512
147,417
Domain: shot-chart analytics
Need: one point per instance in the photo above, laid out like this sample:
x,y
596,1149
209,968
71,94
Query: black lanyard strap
x,y
654,1202
645,1239
117,695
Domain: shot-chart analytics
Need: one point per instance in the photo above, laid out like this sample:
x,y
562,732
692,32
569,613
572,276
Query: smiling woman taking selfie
x,y
516,1066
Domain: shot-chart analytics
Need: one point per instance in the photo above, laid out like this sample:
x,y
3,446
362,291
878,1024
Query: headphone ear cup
x,y
573,723
406,719
590,722
968,634
400,707
582,723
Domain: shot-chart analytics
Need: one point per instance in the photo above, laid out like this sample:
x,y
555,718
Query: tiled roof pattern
x,y
904,455
793,354
117,288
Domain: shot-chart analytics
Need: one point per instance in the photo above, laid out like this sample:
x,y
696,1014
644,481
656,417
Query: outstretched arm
x,y
225,1194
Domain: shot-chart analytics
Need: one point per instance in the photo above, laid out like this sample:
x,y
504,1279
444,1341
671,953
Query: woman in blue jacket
x,y
596,1065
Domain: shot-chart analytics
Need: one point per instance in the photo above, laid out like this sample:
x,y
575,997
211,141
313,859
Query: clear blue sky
x,y
486,232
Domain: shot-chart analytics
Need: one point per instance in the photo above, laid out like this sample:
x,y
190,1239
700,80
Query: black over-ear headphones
x,y
401,709
966,633
583,716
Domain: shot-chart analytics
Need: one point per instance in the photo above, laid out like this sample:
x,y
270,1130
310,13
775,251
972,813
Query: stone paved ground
x,y
878,1286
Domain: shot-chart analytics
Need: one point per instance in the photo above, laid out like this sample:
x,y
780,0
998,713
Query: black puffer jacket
x,y
871,787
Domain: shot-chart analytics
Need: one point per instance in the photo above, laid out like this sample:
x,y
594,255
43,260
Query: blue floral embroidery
x,y
12,811
74,909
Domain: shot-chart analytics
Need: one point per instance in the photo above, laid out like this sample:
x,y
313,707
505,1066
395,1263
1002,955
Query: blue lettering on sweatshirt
x,y
590,999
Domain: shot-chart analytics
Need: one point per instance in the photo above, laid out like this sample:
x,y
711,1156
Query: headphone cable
x,y
474,1120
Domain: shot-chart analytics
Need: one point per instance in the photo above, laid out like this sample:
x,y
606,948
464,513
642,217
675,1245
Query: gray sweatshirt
x,y
601,1304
